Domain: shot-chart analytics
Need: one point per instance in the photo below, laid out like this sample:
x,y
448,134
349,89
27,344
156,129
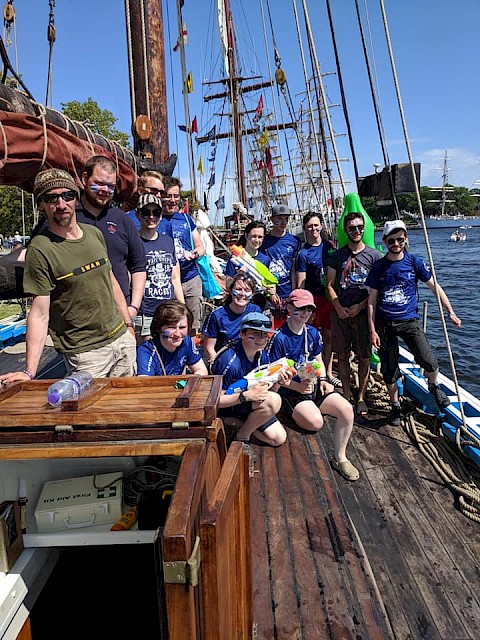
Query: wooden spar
x,y
148,92
234,92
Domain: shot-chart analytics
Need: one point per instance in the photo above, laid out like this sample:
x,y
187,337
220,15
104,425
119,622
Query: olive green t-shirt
x,y
84,314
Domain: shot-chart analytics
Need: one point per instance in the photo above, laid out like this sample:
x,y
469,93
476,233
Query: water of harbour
x,y
456,264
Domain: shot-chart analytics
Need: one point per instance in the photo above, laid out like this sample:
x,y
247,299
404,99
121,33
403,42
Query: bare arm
x,y
372,306
209,348
332,296
199,368
301,277
138,288
120,300
445,301
177,283
198,246
37,329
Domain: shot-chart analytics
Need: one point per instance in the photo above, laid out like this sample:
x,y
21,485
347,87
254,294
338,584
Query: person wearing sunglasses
x,y
150,182
252,411
163,271
348,269
188,247
393,314
76,297
304,401
222,325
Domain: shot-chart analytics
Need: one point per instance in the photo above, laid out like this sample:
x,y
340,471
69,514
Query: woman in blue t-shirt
x,y
302,402
223,324
171,349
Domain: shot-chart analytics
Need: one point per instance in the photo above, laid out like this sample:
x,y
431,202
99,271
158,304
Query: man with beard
x,y
124,246
348,269
76,297
393,313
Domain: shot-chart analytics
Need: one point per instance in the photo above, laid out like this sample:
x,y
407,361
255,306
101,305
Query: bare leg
x,y
308,416
275,435
327,351
363,376
262,411
393,392
344,373
337,406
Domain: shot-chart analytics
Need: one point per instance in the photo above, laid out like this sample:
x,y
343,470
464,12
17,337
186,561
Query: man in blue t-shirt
x,y
188,247
282,249
393,314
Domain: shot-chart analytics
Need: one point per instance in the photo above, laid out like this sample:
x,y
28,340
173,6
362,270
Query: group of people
x,y
120,294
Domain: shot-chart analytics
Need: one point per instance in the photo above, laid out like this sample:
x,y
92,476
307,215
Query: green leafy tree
x,y
99,120
11,211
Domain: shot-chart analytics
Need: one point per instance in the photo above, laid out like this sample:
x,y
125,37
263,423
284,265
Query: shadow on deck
x,y
388,556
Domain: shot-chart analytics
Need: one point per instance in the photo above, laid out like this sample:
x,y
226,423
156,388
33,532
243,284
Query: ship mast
x,y
148,91
444,188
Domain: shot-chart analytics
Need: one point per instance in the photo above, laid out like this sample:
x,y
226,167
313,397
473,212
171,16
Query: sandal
x,y
335,381
362,408
346,469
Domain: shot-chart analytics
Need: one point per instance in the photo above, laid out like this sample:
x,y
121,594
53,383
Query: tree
x,y
11,211
99,120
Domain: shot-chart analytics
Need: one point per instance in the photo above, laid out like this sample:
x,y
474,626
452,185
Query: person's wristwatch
x,y
242,398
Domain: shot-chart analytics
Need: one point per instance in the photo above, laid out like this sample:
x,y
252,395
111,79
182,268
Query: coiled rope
x,y
457,471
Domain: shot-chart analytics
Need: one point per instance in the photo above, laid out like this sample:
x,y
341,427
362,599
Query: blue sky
x,y
434,43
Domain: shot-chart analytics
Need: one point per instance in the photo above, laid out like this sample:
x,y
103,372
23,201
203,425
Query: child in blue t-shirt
x,y
170,349
301,401
252,411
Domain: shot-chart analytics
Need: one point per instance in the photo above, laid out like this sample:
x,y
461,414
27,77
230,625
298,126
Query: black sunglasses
x,y
309,309
150,213
53,198
257,324
355,227
155,192
391,241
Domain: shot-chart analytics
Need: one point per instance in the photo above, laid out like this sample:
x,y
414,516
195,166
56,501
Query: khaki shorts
x,y
192,292
115,360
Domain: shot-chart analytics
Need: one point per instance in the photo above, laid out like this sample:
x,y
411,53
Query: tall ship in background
x,y
446,219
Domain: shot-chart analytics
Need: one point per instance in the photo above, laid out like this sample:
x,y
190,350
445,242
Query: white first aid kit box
x,y
79,502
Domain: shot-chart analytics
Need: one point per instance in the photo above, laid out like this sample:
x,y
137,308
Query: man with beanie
x,y
76,297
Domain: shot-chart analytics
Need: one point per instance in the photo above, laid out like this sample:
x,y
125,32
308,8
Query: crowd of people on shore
x,y
120,294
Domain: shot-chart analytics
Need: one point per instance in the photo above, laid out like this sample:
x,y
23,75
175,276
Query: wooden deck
x,y
388,556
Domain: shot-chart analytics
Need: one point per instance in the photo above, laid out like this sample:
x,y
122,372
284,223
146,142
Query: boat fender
x,y
353,204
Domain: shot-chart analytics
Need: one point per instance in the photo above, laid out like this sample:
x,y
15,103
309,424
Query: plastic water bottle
x,y
69,388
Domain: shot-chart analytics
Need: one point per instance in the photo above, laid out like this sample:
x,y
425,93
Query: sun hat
x,y
53,179
301,298
148,198
256,320
281,210
393,225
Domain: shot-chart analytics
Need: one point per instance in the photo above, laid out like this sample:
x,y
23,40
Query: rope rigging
x,y
463,428
51,36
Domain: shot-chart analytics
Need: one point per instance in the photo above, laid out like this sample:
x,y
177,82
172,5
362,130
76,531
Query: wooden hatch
x,y
114,408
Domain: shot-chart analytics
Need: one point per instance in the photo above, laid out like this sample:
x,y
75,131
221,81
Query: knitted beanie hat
x,y
53,179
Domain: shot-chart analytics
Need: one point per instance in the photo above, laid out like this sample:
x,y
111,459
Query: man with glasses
x,y
125,249
348,269
188,247
163,270
393,313
76,297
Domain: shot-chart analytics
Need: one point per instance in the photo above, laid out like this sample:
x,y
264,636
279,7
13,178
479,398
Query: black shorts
x,y
416,341
241,412
291,398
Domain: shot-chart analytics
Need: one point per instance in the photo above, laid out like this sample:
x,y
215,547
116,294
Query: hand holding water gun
x,y
267,373
258,271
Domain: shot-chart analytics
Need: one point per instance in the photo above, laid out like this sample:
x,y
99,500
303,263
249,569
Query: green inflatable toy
x,y
353,204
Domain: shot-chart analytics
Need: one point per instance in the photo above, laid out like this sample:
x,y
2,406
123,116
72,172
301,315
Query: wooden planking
x,y
319,580
420,555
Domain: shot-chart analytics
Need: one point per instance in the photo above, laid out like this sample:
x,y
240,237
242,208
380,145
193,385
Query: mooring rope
x,y
458,472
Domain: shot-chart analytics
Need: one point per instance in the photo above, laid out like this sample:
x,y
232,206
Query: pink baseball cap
x,y
301,298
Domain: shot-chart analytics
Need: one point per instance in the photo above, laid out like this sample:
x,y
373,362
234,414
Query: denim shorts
x,y
416,341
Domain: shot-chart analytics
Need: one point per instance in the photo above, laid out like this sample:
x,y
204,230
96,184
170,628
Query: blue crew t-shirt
x,y
313,261
396,284
160,254
234,365
231,268
148,363
282,253
224,325
182,227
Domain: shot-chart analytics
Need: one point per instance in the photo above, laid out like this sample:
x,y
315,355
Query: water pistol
x,y
258,271
310,370
266,373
